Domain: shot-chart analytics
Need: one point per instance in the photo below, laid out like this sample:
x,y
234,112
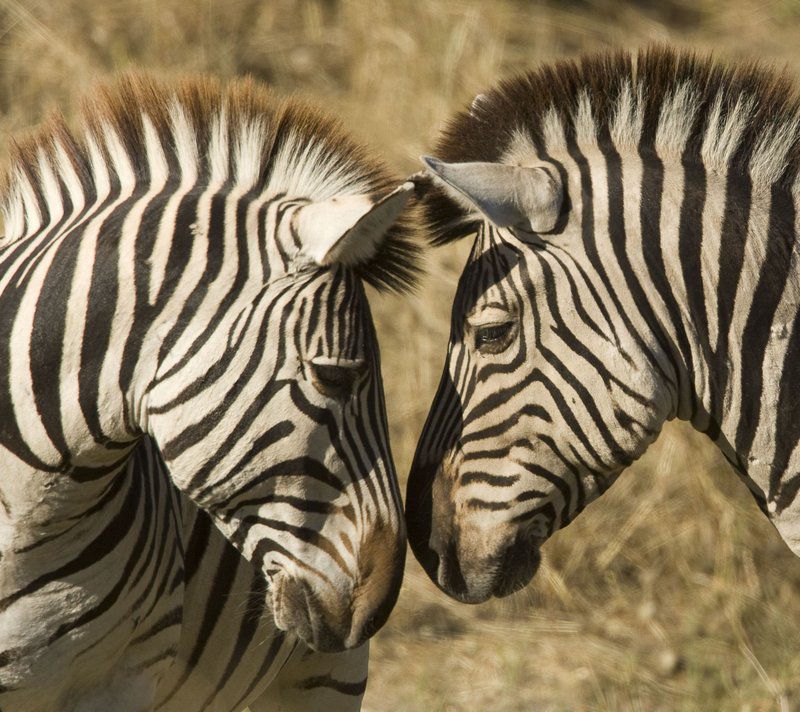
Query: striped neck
x,y
702,262
725,273
124,237
128,287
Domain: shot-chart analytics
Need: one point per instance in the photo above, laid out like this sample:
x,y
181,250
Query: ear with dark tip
x,y
349,229
526,197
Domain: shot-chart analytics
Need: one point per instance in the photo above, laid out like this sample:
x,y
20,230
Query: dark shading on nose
x,y
418,520
387,598
518,565
439,437
380,576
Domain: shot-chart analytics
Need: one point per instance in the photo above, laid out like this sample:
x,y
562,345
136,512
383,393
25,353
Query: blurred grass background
x,y
672,592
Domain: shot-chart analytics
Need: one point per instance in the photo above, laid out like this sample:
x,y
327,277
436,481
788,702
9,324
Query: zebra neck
x,y
92,306
731,314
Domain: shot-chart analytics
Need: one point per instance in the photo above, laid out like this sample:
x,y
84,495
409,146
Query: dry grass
x,y
670,593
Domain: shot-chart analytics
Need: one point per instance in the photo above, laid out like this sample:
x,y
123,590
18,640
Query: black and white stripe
x,y
183,324
635,261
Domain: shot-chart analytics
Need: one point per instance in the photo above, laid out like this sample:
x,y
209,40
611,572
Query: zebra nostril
x,y
371,626
428,558
449,576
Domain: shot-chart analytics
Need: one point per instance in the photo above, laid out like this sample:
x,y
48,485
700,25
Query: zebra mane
x,y
240,133
661,101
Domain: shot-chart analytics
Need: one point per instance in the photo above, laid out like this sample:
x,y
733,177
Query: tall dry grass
x,y
672,592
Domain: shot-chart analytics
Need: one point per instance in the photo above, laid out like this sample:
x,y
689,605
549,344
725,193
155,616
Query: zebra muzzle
x,y
298,610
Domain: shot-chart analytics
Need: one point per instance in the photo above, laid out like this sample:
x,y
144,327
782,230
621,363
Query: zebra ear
x,y
349,229
510,196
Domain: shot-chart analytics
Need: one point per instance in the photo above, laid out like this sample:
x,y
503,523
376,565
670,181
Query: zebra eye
x,y
493,338
336,380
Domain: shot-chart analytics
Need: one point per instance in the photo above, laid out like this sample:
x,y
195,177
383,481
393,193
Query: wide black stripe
x,y
102,300
353,689
775,270
138,292
468,478
690,249
304,465
48,325
10,434
733,238
651,210
198,544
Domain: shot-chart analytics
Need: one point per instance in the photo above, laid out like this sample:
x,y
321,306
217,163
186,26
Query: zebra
x,y
635,260
198,503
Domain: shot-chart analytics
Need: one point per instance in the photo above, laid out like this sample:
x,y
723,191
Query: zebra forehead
x,y
730,115
140,127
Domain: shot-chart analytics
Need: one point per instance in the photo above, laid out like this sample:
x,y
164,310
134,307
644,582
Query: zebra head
x,y
286,418
547,394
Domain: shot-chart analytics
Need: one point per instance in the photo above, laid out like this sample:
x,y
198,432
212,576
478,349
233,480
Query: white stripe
x,y
186,152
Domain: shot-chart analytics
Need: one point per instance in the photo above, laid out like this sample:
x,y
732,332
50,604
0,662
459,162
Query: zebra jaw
x,y
349,229
524,197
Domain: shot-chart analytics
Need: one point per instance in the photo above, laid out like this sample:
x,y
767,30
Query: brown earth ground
x,y
672,592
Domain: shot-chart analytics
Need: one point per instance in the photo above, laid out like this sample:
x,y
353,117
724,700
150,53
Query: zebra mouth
x,y
297,610
290,605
